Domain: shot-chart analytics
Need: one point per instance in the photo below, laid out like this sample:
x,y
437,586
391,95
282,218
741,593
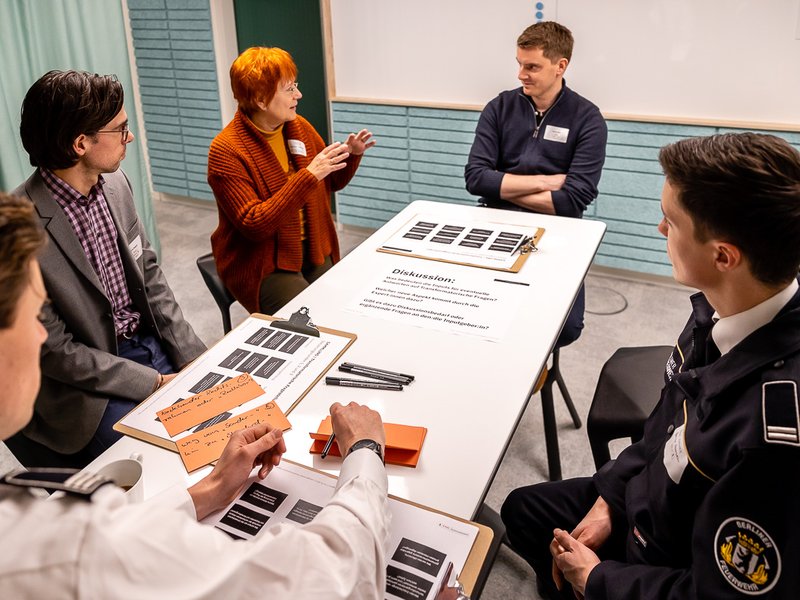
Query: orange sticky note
x,y
206,446
403,442
209,403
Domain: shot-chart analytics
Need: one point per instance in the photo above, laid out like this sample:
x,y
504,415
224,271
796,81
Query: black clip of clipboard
x,y
299,322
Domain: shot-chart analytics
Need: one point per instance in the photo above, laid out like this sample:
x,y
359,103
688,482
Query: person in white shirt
x,y
99,546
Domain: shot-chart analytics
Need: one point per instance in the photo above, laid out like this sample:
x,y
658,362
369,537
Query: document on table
x,y
486,244
283,363
421,541
450,298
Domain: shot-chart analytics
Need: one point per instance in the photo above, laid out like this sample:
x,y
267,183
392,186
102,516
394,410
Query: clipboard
x,y
477,554
142,422
405,242
299,322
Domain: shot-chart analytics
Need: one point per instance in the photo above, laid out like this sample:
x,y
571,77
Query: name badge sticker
x,y
676,459
297,147
556,134
136,247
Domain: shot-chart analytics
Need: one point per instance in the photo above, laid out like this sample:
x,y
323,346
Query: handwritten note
x,y
206,446
209,403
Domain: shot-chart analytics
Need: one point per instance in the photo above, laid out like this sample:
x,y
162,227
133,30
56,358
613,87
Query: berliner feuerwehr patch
x,y
747,556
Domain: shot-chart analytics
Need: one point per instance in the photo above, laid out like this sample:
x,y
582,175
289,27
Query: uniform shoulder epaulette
x,y
71,481
780,412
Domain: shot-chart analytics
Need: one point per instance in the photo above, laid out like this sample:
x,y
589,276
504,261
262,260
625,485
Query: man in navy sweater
x,y
540,147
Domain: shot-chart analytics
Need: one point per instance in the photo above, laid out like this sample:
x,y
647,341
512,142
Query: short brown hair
x,y
21,237
257,73
62,105
744,189
554,39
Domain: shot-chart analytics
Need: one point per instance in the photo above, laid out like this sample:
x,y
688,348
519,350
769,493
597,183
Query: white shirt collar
x,y
729,331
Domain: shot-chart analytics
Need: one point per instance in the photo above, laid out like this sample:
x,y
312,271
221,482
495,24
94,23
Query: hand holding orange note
x,y
206,446
403,442
209,403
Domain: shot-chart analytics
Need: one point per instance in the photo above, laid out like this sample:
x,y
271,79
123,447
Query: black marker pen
x,y
377,370
360,383
374,374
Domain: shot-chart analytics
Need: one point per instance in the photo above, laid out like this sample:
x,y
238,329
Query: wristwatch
x,y
371,444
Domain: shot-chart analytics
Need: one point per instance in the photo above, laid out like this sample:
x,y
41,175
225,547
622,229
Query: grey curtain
x,y
39,35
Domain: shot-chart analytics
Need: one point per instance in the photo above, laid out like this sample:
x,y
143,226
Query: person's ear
x,y
562,65
261,105
80,144
727,257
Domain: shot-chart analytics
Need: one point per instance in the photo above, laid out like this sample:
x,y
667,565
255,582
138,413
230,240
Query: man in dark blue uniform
x,y
704,506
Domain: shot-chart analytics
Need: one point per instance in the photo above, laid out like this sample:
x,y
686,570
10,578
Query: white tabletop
x,y
468,392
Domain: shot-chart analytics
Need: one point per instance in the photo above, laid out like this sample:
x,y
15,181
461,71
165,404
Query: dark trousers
x,y
143,349
573,326
530,515
279,287
146,350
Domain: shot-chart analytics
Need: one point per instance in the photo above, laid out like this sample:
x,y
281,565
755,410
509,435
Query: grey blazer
x,y
80,366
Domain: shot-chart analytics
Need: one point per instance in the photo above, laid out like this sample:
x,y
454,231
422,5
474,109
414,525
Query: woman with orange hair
x,y
272,176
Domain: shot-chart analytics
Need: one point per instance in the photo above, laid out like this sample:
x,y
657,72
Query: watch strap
x,y
370,444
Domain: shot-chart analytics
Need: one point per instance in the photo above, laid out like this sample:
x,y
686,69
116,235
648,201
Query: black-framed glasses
x,y
123,132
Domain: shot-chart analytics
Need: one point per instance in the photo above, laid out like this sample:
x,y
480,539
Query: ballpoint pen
x,y
328,445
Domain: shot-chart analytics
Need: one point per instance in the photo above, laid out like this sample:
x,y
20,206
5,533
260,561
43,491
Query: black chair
x,y
552,376
223,298
628,389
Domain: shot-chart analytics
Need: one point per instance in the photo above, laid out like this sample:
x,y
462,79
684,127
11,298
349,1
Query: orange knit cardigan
x,y
259,225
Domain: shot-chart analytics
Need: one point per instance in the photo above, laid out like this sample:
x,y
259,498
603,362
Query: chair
x,y
627,390
223,298
550,376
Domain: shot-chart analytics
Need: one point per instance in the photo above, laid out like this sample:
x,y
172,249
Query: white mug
x,y
127,474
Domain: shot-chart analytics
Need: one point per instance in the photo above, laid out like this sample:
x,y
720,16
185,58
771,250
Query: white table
x,y
469,393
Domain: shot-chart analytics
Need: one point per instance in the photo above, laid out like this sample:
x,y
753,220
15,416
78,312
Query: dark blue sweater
x,y
505,143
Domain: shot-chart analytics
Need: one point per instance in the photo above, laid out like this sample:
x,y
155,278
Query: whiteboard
x,y
706,60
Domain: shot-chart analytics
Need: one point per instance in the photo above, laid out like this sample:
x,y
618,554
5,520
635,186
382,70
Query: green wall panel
x,y
174,52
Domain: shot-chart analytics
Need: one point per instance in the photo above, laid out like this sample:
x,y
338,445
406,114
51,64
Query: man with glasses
x,y
115,332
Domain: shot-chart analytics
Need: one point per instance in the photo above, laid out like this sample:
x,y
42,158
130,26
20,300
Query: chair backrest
x,y
628,388
223,298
